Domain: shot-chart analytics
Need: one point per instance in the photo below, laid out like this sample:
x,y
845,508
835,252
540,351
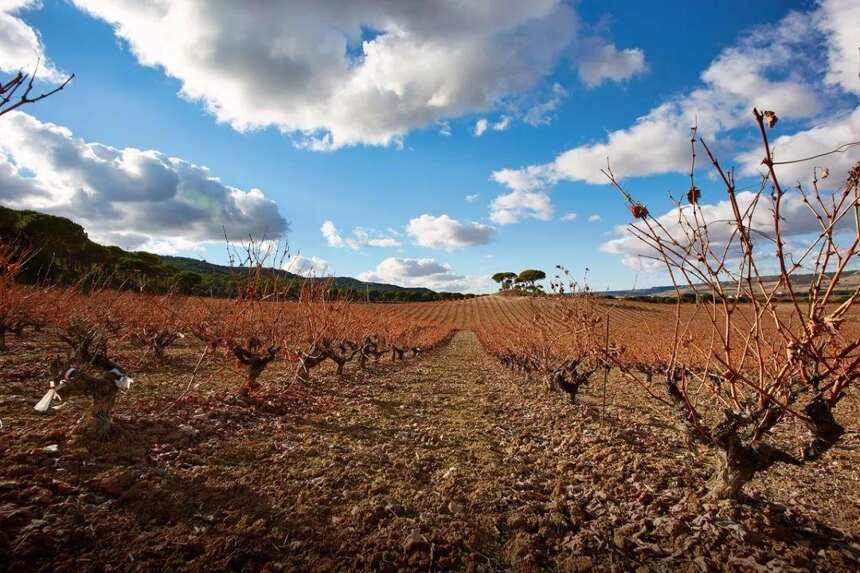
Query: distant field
x,y
507,311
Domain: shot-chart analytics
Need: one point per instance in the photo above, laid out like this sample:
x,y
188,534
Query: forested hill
x,y
207,268
61,252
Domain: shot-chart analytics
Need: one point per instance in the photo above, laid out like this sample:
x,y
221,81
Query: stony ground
x,y
446,462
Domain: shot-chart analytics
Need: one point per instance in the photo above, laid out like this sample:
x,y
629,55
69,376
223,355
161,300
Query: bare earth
x,y
448,462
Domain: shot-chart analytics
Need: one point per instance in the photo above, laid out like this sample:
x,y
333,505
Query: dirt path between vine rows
x,y
447,462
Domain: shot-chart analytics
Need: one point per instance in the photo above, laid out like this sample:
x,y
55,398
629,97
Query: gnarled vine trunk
x,y
255,361
102,390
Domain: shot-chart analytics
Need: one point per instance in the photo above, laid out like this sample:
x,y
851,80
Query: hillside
x,y
61,252
349,283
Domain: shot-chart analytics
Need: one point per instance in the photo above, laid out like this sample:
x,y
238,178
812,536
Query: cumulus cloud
x,y
823,95
518,205
797,222
129,197
806,143
594,218
363,72
339,74
20,45
307,266
568,217
838,19
772,67
427,273
526,179
443,232
360,237
601,61
332,235
472,198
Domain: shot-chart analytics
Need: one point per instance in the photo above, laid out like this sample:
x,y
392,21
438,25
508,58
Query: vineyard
x,y
248,428
518,431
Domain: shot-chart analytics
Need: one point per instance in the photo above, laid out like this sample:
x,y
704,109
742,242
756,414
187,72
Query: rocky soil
x,y
446,462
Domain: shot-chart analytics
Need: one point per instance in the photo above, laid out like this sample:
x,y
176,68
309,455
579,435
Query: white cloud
x,y
360,237
307,266
568,217
373,238
472,198
443,232
518,205
340,74
821,138
797,222
838,19
536,115
20,45
503,123
740,73
346,73
427,273
332,235
482,125
540,114
601,61
445,128
772,67
594,218
805,89
129,197
526,179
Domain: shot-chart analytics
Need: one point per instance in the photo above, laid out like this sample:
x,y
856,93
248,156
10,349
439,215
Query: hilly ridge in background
x,y
848,282
60,252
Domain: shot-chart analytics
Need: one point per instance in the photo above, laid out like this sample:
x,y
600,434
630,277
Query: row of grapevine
x,y
753,371
253,331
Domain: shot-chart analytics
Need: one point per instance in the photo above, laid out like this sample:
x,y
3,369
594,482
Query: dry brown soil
x,y
446,462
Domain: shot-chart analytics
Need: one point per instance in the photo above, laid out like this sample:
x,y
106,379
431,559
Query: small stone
x,y
414,542
517,521
621,541
191,430
519,548
114,482
579,564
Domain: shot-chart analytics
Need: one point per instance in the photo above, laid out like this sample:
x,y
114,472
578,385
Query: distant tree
x,y
187,281
504,279
529,277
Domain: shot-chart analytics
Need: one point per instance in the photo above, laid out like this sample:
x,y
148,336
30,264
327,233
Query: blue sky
x,y
597,67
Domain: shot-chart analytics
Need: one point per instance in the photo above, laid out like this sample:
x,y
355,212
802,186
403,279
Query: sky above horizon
x,y
416,143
